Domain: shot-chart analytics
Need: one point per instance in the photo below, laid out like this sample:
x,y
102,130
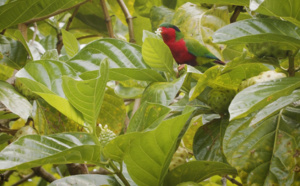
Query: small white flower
x,y
158,31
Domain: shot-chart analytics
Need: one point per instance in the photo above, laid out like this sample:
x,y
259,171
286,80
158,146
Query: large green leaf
x,y
24,10
148,155
44,77
201,23
288,10
197,171
157,55
35,150
12,53
257,31
148,115
163,92
119,54
259,95
87,95
143,7
267,153
208,139
112,112
14,101
88,179
5,72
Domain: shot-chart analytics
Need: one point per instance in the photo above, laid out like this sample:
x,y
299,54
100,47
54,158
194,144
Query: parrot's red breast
x,y
178,47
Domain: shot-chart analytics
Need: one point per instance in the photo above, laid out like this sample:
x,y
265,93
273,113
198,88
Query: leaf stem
x,y
107,19
119,173
129,21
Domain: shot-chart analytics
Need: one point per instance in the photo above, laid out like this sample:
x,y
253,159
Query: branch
x,y
23,28
129,19
101,171
25,179
76,168
107,19
39,171
291,69
236,13
54,13
4,176
232,180
34,33
72,17
3,32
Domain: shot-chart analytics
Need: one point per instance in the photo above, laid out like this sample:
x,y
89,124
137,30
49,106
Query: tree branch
x,y
232,180
72,17
129,21
4,176
39,171
25,179
236,13
54,13
291,69
107,19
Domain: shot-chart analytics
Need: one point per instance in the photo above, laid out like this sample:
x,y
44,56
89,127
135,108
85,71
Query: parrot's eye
x,y
158,31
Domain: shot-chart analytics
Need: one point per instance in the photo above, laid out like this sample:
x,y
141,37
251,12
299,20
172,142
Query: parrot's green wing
x,y
198,50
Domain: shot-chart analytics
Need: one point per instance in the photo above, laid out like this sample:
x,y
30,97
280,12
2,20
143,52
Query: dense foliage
x,y
91,96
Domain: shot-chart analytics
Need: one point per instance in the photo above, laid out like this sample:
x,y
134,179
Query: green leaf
x,y
19,36
87,96
163,92
259,30
230,2
14,101
129,92
208,139
5,72
44,78
70,43
112,112
22,11
149,115
275,106
157,55
143,7
197,171
201,23
287,11
265,153
259,95
4,137
86,179
119,54
148,155
50,55
55,149
13,52
48,120
160,14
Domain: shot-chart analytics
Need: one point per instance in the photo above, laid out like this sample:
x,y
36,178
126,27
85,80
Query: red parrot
x,y
185,50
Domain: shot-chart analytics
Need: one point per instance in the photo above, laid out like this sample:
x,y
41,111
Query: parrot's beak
x,y
158,31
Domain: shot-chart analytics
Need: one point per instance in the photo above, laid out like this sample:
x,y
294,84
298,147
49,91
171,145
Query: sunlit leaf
x,y
70,43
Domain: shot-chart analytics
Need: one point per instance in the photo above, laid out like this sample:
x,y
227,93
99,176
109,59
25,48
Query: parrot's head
x,y
169,32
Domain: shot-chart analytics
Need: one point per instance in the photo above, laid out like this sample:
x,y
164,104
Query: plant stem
x,y
39,171
291,69
25,179
236,13
129,21
23,28
72,17
107,19
119,173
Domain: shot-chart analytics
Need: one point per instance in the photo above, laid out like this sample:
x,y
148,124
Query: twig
x,y
4,176
101,171
39,171
76,168
136,105
232,180
129,21
72,17
3,32
59,43
236,13
107,19
54,13
224,181
25,179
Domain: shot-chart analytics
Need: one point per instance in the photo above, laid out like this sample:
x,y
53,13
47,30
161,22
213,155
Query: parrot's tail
x,y
219,62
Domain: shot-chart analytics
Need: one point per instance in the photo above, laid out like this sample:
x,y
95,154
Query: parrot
x,y
185,50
